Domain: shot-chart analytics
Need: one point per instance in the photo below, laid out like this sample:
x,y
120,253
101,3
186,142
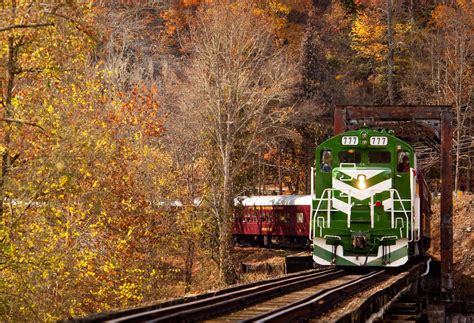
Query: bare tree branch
x,y
80,26
23,122
47,24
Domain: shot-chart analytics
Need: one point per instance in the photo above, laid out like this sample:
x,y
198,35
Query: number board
x,y
350,141
378,141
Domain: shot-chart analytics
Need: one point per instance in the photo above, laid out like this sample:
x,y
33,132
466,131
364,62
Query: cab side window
x,y
326,161
403,160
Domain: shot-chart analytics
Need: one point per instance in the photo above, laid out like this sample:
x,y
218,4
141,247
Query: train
x,y
369,204
275,219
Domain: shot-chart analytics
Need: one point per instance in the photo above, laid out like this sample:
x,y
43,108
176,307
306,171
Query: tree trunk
x,y
188,265
280,181
11,73
390,63
227,272
458,148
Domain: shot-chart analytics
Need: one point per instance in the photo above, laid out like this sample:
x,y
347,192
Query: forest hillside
x,y
127,128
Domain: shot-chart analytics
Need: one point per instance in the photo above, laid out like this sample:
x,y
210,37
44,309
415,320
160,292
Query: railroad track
x,y
309,302
284,299
124,315
232,300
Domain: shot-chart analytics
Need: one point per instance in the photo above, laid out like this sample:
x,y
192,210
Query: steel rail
x,y
320,301
107,316
214,306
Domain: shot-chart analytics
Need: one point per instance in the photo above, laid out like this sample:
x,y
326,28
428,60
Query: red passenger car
x,y
273,219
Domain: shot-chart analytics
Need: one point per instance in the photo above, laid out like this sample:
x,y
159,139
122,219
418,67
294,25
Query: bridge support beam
x,y
446,216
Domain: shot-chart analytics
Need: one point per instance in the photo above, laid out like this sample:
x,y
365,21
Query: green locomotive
x,y
371,206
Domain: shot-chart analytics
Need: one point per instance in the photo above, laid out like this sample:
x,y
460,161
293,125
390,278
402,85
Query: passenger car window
x,y
326,161
379,157
403,159
349,156
299,217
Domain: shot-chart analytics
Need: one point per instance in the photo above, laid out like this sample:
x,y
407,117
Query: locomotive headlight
x,y
361,182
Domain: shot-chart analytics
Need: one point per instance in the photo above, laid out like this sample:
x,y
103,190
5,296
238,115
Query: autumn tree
x,y
83,168
451,50
184,143
379,37
237,82
317,87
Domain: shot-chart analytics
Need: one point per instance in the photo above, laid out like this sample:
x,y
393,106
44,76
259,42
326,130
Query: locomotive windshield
x,y
349,156
379,157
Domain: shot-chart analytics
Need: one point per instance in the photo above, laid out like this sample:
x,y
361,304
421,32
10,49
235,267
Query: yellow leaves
x,y
59,166
191,3
440,14
2,149
109,266
368,35
57,213
129,291
63,180
50,109
458,15
403,28
138,136
90,273
279,7
121,244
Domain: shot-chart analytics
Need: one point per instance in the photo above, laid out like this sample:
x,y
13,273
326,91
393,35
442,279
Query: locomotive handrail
x,y
313,225
332,236
396,227
417,220
316,212
344,179
392,210
353,165
387,237
405,212
329,209
349,214
348,194
319,226
412,203
372,209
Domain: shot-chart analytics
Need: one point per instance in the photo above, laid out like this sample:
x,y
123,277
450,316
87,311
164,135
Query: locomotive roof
x,y
363,144
277,200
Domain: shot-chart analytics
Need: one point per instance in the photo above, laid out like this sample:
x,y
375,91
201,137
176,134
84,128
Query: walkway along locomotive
x,y
371,205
